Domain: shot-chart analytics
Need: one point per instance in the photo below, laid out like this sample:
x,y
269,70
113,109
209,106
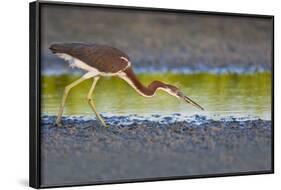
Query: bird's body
x,y
100,60
93,57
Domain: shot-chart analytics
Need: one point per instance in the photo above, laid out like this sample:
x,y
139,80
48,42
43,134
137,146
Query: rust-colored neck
x,y
146,91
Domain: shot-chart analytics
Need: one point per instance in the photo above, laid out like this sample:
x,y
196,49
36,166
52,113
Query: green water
x,y
220,95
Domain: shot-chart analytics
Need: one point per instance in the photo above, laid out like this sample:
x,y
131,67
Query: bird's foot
x,y
103,123
58,124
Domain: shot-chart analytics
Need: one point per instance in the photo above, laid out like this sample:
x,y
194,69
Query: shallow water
x,y
221,95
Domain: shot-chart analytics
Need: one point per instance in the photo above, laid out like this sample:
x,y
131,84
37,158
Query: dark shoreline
x,y
56,66
83,150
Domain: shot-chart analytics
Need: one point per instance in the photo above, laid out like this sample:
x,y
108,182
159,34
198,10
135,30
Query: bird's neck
x,y
147,91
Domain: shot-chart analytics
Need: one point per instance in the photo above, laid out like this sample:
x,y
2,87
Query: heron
x,y
97,61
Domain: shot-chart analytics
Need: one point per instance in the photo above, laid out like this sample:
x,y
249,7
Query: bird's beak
x,y
188,100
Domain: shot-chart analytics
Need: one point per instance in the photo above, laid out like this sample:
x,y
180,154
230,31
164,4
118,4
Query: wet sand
x,y
83,151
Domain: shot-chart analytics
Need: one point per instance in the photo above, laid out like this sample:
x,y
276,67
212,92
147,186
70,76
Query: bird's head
x,y
175,91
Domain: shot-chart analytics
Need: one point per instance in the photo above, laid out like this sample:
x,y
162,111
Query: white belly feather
x,y
73,62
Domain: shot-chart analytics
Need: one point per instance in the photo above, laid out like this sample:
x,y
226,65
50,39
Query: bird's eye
x,y
179,93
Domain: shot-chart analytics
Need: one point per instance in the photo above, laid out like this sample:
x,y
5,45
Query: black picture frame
x,y
35,92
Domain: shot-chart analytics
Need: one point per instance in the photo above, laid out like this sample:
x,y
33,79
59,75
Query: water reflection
x,y
220,95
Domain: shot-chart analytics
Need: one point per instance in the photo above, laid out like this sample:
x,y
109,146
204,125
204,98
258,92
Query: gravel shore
x,y
83,151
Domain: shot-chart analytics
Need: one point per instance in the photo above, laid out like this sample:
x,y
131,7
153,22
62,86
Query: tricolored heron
x,y
101,60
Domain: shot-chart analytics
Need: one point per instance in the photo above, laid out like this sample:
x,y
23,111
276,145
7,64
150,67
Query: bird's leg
x,y
91,102
65,94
